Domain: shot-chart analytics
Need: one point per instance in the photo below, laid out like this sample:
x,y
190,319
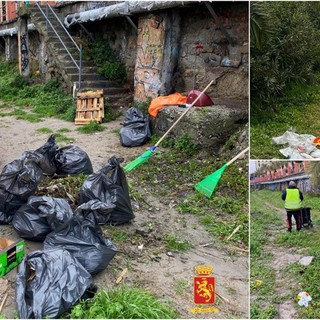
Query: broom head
x,y
138,161
208,184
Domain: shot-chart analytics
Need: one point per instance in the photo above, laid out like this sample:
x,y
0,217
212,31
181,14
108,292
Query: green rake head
x,y
138,161
208,184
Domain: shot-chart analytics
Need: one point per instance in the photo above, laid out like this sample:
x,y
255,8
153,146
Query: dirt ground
x,y
150,265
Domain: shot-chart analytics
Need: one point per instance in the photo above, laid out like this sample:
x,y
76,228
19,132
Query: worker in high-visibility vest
x,y
293,198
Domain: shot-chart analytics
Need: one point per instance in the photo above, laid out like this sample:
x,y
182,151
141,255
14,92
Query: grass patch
x,y
61,138
307,239
297,110
63,130
181,285
173,244
123,303
115,233
44,130
111,115
44,100
91,128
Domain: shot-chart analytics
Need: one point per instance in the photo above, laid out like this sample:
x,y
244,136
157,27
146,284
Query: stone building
x,y
165,46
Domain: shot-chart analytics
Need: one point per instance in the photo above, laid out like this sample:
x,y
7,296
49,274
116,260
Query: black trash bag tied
x,y
72,160
44,156
49,282
83,238
136,130
110,185
41,215
18,180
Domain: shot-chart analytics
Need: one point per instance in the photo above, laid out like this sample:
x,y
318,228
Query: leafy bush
x,y
107,60
290,51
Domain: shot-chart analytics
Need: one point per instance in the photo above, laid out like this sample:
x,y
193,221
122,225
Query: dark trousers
x,y
297,217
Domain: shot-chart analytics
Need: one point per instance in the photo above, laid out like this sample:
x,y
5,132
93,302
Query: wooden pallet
x,y
90,107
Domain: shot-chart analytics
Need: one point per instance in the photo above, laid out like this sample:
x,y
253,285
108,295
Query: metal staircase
x,y
67,56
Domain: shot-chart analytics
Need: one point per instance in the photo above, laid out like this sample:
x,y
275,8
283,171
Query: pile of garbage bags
x,y
51,280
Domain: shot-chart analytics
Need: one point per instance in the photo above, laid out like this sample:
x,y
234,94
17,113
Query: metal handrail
x,y
79,66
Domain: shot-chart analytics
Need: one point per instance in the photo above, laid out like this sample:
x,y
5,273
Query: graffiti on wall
x,y
24,52
150,46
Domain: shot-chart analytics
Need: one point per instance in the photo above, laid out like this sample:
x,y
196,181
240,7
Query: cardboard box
x,y
11,254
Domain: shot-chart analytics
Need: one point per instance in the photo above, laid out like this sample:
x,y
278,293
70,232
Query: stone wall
x,y
184,27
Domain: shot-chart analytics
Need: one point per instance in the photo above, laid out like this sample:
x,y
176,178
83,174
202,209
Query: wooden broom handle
x,y
184,113
237,156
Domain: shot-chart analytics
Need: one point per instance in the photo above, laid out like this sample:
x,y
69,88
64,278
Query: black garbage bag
x,y
41,215
83,238
21,177
136,130
9,204
49,282
100,210
110,185
18,180
72,160
48,152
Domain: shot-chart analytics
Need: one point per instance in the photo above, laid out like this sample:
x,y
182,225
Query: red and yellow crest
x,y
204,286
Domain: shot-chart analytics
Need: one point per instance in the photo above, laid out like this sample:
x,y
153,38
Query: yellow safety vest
x,y
293,201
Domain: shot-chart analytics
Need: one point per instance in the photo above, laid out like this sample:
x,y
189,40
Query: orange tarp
x,y
162,101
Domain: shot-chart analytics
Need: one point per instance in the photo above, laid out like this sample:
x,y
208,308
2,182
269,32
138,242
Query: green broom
x,y
146,155
208,184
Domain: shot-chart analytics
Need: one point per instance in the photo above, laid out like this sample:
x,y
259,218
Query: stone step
x,y
68,63
118,100
102,84
74,70
85,77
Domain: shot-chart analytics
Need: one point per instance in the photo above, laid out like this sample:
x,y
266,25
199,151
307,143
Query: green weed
x,y
176,245
116,234
91,128
62,130
111,115
181,285
61,138
123,303
44,130
266,313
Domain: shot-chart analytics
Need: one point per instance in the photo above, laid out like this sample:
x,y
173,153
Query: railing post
x,y
47,13
80,66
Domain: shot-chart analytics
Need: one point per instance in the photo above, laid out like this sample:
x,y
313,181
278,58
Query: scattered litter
x,y
49,282
3,301
110,185
140,247
170,254
72,160
304,299
234,232
40,216
300,146
121,275
136,130
259,283
305,261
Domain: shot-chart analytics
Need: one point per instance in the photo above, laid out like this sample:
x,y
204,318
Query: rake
x,y
208,184
146,155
